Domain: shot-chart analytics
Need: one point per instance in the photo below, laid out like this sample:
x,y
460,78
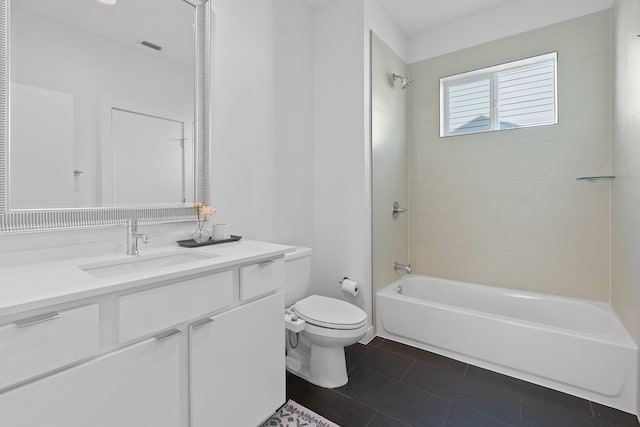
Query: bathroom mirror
x,y
105,111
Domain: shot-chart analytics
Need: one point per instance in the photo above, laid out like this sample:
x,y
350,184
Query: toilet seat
x,y
330,313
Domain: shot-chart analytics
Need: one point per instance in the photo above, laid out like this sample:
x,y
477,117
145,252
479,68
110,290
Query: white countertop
x,y
37,285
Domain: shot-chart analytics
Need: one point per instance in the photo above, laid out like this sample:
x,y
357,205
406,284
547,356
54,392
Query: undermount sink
x,y
142,263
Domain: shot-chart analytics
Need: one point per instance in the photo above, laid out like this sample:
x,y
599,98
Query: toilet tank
x,y
297,267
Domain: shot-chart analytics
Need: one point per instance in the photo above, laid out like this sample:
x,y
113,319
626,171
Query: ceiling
x,y
167,23
416,16
318,3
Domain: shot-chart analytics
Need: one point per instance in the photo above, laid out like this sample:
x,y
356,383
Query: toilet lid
x,y
330,313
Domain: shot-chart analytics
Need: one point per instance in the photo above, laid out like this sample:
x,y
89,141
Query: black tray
x,y
190,243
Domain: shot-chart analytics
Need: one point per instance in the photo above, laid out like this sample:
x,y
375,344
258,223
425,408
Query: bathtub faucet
x,y
405,267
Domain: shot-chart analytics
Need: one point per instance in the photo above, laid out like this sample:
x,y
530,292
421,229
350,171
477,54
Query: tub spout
x,y
405,267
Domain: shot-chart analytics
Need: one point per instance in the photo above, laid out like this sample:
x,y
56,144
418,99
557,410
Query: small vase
x,y
202,233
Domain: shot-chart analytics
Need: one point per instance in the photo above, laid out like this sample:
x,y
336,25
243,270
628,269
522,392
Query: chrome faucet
x,y
133,236
405,267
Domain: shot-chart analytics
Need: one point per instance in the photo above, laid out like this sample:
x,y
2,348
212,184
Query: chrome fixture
x,y
397,210
595,178
406,267
405,82
133,236
37,319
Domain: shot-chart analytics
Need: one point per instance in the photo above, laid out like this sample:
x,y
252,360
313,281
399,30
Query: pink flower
x,y
206,212
197,205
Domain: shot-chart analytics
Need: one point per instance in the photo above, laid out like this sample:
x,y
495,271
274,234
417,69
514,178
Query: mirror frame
x,y
52,219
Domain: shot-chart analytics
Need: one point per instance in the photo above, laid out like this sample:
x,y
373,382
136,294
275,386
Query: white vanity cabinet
x,y
132,387
33,345
237,365
148,311
195,347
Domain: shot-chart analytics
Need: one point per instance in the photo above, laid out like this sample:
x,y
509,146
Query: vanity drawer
x,y
35,345
149,311
261,278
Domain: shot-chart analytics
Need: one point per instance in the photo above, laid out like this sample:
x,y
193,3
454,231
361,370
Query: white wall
x,y
243,128
342,181
294,110
262,109
625,206
379,21
511,18
49,55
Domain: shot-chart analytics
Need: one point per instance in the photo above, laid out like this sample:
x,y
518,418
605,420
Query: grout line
x,y
407,371
358,401
386,415
446,417
374,371
430,393
521,407
372,418
348,397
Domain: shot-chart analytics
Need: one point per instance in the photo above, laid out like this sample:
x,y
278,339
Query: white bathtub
x,y
575,346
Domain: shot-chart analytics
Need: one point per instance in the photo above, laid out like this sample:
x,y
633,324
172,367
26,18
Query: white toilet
x,y
318,327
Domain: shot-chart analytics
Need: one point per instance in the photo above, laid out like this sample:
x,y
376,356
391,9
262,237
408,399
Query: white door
x,y
134,387
238,365
148,159
41,148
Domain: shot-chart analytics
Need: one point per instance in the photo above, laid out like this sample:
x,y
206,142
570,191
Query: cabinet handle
x,y
37,319
265,263
200,323
166,335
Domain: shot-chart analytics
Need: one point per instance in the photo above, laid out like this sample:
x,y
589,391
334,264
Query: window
x,y
513,95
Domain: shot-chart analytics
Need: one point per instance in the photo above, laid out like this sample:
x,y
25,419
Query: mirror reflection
x,y
101,103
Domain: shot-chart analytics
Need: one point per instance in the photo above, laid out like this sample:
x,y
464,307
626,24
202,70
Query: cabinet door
x,y
238,365
134,387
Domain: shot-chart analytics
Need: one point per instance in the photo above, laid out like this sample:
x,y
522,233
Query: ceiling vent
x,y
150,45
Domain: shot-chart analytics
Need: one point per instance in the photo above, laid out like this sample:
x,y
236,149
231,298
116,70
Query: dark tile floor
x,y
394,385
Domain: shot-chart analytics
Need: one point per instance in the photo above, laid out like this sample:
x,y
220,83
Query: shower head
x,y
405,82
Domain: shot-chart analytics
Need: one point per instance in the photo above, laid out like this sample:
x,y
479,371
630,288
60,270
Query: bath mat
x,y
292,414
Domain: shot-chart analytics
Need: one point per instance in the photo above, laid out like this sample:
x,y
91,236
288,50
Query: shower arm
x,y
396,210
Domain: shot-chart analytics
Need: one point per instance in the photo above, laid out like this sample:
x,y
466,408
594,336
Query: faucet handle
x,y
133,236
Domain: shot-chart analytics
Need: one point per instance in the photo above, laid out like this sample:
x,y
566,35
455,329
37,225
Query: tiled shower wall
x,y
504,208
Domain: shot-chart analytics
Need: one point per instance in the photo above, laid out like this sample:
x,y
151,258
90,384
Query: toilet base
x,y
328,366
323,366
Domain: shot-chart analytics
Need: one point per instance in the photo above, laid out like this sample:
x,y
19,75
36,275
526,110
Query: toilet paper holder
x,y
349,286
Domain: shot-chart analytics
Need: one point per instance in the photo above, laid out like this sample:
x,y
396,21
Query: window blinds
x,y
513,95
